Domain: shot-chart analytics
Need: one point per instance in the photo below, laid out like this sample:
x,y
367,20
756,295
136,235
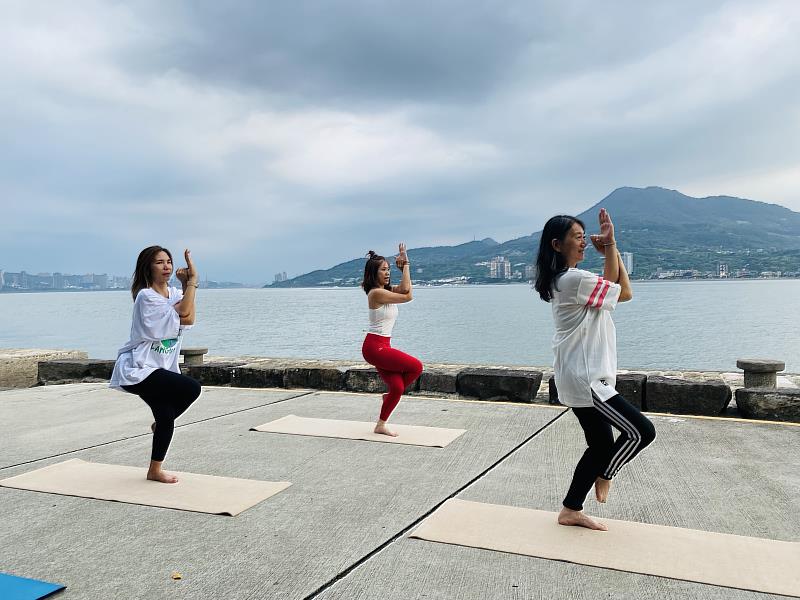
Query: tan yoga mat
x,y
119,483
734,561
357,430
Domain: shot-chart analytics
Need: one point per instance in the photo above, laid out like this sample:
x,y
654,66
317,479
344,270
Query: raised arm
x,y
401,260
613,269
188,278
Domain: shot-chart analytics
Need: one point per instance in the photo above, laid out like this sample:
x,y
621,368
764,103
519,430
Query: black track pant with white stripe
x,y
605,457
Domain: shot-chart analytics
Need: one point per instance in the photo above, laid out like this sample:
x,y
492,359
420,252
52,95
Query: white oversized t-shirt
x,y
155,340
585,342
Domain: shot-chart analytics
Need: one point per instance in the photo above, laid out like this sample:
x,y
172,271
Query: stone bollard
x,y
193,357
760,372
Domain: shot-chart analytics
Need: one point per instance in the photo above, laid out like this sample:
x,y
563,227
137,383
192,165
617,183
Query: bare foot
x,y
601,489
576,517
161,476
384,430
154,473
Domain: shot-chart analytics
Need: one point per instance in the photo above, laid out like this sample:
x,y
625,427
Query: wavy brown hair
x,y
370,281
142,275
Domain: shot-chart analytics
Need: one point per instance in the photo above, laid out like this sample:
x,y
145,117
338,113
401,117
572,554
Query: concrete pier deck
x,y
340,531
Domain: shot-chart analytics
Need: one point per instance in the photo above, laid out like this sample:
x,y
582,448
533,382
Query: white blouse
x,y
585,342
155,341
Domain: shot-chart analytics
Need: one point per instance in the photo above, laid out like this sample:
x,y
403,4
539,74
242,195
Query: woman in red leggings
x,y
396,368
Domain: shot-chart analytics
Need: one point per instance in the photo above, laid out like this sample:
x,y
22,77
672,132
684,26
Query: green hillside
x,y
664,229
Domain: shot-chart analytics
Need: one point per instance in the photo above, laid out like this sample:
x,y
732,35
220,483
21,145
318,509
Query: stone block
x,y
74,371
362,379
632,387
679,396
760,372
318,378
367,379
774,404
438,381
511,385
193,356
257,376
211,373
19,367
552,391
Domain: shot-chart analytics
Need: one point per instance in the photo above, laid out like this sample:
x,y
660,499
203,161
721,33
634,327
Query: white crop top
x,y
381,320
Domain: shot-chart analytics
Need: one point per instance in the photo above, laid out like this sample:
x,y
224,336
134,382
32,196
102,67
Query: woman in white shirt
x,y
148,364
396,368
585,347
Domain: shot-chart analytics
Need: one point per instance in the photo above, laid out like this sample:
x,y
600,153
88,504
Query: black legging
x,y
168,395
605,457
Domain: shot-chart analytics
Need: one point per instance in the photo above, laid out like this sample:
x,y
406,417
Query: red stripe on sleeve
x,y
594,292
602,296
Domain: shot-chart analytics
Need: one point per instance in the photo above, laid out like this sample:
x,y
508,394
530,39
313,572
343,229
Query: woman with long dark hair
x,y
148,364
397,369
585,347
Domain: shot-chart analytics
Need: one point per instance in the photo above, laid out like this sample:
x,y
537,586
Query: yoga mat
x,y
198,493
734,561
21,588
356,430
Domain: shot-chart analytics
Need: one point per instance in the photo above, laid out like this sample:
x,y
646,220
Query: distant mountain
x,y
438,259
663,228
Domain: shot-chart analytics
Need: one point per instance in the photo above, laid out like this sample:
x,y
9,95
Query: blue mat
x,y
19,588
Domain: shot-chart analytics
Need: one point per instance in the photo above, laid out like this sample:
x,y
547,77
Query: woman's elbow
x,y
625,296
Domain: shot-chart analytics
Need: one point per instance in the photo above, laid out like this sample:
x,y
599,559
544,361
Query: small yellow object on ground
x,y
176,575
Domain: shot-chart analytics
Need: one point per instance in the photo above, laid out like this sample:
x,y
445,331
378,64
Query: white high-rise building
x,y
500,268
627,260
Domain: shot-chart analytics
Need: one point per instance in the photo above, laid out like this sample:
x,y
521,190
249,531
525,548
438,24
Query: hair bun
x,y
371,254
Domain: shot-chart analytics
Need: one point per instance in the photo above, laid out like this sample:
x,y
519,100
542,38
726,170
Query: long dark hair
x,y
142,274
374,262
550,263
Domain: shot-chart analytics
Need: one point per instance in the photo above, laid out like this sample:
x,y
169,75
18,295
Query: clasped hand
x,y
187,274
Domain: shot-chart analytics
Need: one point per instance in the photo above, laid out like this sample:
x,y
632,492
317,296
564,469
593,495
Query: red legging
x,y
396,368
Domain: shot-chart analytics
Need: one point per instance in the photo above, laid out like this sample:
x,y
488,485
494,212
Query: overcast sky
x,y
287,136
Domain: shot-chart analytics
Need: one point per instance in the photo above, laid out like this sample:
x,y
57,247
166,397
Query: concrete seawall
x,y
675,392
19,367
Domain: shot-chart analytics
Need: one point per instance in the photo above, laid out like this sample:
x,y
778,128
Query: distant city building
x,y
61,281
280,277
530,272
500,268
722,271
627,260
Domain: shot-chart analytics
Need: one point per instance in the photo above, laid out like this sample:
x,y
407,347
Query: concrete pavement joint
x,y
139,435
339,577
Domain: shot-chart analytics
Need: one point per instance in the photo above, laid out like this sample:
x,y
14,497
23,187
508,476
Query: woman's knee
x,y
417,367
194,389
648,432
397,388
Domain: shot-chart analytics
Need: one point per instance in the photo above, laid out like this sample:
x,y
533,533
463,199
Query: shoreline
x,y
417,284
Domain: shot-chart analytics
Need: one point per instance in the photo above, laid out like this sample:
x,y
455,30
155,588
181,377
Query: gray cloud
x,y
294,135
